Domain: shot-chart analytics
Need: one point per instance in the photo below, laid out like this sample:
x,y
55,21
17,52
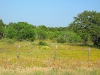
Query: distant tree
x,y
2,26
56,35
51,35
25,31
72,37
87,25
52,29
43,27
61,39
42,32
11,32
20,31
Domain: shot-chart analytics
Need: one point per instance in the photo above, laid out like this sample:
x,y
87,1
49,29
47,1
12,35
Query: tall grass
x,y
38,60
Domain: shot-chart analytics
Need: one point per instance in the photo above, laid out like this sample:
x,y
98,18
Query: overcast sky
x,y
51,13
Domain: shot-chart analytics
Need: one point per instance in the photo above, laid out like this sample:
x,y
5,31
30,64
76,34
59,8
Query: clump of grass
x,y
42,43
7,40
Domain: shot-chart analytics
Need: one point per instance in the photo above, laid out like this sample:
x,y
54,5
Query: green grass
x,y
46,60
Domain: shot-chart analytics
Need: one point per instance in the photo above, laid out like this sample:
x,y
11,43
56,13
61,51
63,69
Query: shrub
x,y
42,43
9,41
32,39
61,40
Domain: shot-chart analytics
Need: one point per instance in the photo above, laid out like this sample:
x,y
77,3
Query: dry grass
x,y
39,60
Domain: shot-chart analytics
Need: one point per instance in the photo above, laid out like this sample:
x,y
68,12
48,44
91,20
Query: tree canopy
x,y
20,31
87,25
2,26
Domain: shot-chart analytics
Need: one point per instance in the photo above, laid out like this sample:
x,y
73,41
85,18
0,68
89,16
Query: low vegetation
x,y
37,59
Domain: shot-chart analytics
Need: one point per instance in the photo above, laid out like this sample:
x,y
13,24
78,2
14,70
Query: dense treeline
x,y
24,31
84,28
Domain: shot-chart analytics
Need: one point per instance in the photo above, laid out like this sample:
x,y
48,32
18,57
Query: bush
x,y
32,39
61,40
42,43
9,41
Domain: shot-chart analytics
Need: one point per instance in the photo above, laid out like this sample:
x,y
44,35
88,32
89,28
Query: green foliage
x,y
7,40
42,43
10,32
42,27
1,29
51,34
25,31
87,25
32,39
73,37
20,31
61,40
41,33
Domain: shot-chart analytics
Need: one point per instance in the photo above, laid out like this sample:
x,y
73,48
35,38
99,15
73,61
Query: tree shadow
x,y
84,45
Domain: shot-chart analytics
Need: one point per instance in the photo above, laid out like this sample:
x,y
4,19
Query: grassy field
x,y
32,59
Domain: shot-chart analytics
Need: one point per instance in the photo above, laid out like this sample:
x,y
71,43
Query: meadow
x,y
33,59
